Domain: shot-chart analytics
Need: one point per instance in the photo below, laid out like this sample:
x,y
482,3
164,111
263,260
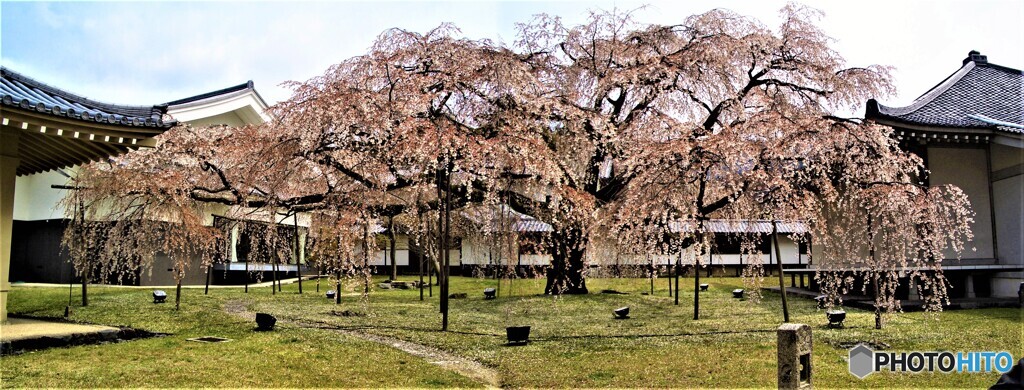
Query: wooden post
x,y
298,251
652,274
337,288
273,271
696,288
209,270
782,280
177,295
678,263
366,256
447,255
392,239
420,268
85,283
88,262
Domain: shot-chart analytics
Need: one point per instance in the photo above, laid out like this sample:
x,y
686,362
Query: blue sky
x,y
152,52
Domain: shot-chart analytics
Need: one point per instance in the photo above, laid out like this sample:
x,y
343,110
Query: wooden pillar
x,y
9,161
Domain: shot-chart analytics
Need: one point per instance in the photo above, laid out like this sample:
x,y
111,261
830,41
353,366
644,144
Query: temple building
x,y
49,132
969,130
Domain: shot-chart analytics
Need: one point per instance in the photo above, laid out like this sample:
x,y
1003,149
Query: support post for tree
x,y
782,279
71,288
651,273
696,277
88,262
177,293
678,261
298,254
209,270
366,256
337,288
874,283
85,283
392,237
273,282
874,274
422,256
447,256
668,270
248,277
696,288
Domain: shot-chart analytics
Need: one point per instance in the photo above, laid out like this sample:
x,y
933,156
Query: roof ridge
x,y
235,88
931,94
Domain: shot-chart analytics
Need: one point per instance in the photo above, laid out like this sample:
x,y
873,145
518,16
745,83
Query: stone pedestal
x,y
794,356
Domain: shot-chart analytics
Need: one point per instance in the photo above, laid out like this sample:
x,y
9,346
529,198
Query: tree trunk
x,y
782,280
566,273
177,294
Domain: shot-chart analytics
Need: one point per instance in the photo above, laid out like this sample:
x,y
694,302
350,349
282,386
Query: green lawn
x,y
576,343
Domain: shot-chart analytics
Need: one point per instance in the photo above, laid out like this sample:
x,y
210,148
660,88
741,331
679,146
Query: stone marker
x,y
794,355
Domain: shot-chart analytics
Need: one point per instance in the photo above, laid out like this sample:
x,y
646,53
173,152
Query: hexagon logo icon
x,y
861,359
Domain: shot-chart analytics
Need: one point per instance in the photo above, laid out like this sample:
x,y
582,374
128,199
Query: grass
x,y
575,341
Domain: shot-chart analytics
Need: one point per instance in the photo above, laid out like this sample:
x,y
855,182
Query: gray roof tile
x,y
979,95
19,91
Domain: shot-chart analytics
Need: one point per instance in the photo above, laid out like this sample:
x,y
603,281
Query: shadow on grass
x,y
323,325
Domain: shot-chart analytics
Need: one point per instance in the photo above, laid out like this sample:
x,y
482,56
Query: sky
x,y
143,53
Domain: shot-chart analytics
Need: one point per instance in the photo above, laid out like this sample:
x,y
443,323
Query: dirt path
x,y
461,365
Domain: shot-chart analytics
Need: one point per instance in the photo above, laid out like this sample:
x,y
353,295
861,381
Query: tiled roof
x,y
18,91
979,95
739,226
488,218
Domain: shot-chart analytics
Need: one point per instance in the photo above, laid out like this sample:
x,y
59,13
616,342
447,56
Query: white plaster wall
x,y
401,254
1006,284
966,168
474,251
534,260
477,251
1009,198
35,200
